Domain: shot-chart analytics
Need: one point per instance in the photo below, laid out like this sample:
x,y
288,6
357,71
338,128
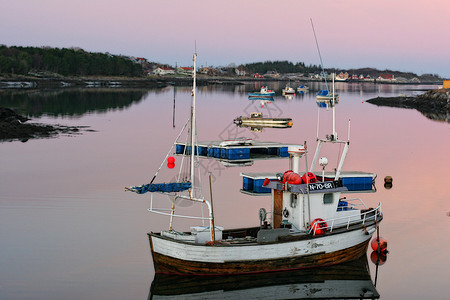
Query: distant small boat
x,y
327,95
303,88
257,120
288,90
264,92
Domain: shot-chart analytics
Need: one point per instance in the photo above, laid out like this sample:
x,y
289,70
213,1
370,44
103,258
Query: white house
x,y
163,71
239,72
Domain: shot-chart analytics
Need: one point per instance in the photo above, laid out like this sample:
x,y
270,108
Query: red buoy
x,y
383,244
318,226
311,178
292,178
378,259
170,165
171,160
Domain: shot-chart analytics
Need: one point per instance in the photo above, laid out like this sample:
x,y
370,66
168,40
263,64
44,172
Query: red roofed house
x,y
185,70
385,77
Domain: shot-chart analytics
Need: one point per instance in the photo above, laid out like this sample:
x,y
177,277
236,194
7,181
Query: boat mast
x,y
320,56
334,113
194,58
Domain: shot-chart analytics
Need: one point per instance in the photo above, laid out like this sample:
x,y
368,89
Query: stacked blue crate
x,y
179,149
283,152
357,183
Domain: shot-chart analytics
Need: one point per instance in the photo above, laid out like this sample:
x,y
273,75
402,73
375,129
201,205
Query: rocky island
x,y
434,104
14,127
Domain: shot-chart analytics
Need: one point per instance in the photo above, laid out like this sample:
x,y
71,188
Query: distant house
x,y
368,78
257,75
163,71
354,77
204,70
385,77
342,76
140,60
185,70
239,72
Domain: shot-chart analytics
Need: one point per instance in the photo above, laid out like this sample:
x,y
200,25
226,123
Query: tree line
x,y
66,62
280,67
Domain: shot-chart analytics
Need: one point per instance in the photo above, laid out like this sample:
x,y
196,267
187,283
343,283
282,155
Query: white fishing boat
x,y
288,90
264,92
309,223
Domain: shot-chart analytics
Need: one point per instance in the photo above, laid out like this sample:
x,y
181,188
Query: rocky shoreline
x,y
434,104
57,81
14,127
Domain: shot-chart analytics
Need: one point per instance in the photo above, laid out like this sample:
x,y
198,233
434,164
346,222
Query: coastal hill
x,y
43,66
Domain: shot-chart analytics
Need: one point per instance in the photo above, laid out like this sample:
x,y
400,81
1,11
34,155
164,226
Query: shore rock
x,y
434,104
13,127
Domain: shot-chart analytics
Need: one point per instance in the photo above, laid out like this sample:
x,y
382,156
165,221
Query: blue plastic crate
x,y
217,152
247,184
179,149
283,152
357,183
202,150
239,153
258,188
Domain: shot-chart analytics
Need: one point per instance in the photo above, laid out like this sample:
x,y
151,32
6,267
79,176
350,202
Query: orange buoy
x,y
318,226
378,259
383,244
311,178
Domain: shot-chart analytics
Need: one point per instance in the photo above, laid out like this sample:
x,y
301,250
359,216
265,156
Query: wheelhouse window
x,y
328,199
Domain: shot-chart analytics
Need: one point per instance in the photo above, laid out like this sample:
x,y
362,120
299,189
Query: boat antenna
x,y
320,56
194,58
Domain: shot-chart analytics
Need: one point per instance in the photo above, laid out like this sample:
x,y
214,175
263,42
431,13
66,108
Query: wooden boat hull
x,y
347,280
175,257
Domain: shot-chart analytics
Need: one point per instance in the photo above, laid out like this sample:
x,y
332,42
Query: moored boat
x,y
303,88
263,93
309,223
257,120
288,90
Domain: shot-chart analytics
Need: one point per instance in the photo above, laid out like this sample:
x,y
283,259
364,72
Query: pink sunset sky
x,y
396,34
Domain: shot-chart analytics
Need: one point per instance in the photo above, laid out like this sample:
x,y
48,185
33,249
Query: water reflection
x,y
70,102
349,280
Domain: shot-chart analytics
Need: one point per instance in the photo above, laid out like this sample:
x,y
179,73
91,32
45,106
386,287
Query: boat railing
x,y
362,217
171,212
349,204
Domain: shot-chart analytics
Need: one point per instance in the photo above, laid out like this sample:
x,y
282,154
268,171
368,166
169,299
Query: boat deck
x,y
354,181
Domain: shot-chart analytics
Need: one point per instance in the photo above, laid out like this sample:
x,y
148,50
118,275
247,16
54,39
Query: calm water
x,y
69,231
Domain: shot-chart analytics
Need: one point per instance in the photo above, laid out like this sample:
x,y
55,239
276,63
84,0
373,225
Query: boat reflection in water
x,y
344,281
327,103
